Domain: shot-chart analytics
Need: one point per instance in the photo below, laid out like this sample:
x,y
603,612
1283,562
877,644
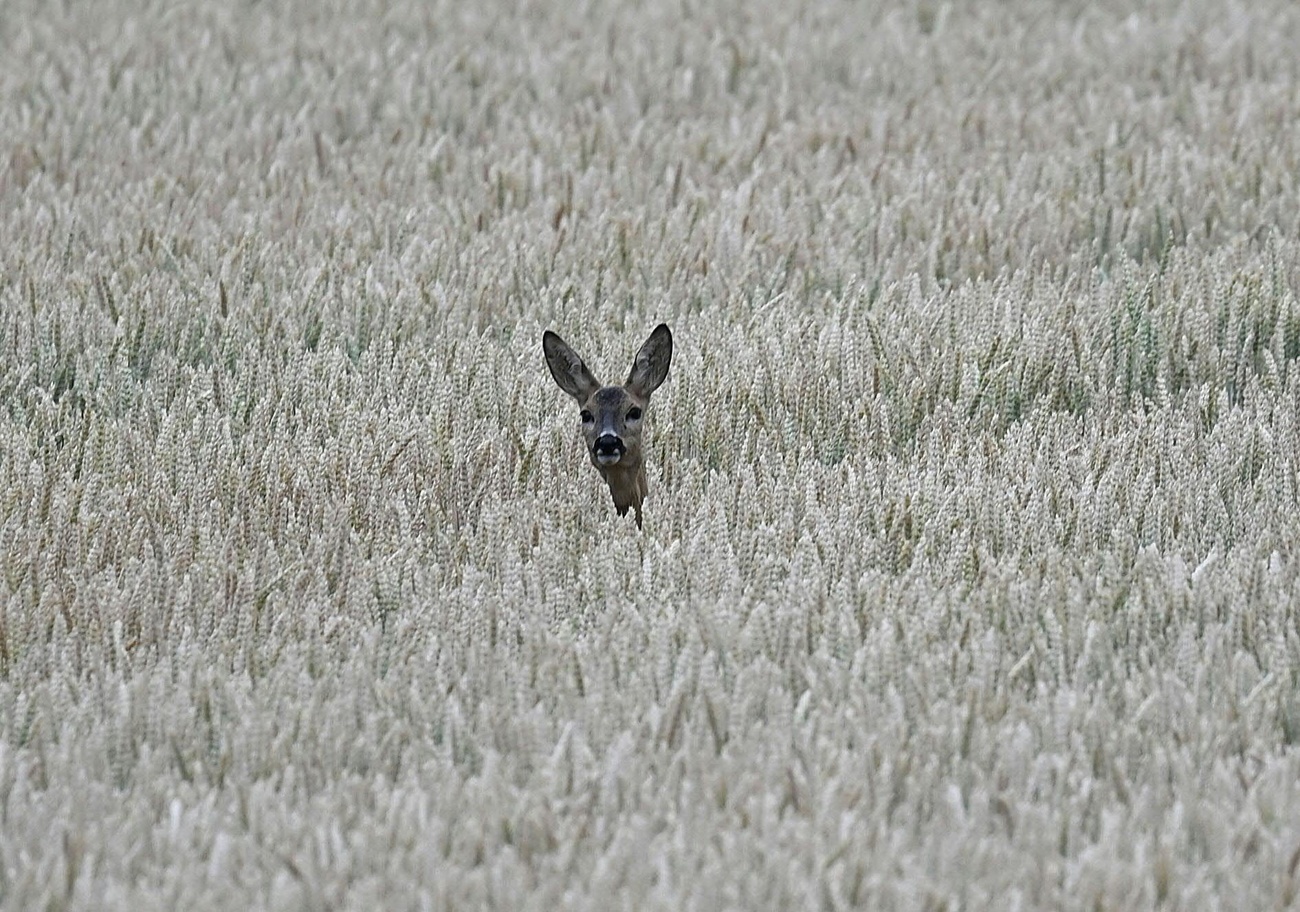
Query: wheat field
x,y
970,575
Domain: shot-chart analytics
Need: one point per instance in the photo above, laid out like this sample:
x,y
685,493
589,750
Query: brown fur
x,y
617,413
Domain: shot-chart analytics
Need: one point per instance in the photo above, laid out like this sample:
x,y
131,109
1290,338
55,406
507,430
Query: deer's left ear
x,y
567,368
650,368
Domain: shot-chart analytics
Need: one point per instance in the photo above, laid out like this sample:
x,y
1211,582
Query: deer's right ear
x,y
650,368
567,368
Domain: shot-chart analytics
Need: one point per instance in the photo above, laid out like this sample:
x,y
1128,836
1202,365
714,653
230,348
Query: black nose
x,y
609,444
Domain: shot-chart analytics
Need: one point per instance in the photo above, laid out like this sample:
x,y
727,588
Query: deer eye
x,y
634,414
586,417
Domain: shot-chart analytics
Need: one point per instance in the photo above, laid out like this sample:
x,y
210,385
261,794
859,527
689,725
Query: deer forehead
x,y
610,399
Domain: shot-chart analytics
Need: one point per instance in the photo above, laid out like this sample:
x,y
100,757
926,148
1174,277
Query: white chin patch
x,y
607,459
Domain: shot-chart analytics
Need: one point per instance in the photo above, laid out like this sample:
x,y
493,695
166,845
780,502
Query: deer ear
x,y
567,368
650,368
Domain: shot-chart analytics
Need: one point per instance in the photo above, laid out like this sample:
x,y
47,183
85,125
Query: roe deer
x,y
612,416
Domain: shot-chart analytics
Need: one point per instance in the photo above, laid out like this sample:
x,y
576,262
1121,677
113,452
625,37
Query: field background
x,y
969,575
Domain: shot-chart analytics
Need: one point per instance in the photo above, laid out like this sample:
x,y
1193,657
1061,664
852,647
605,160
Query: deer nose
x,y
608,450
609,445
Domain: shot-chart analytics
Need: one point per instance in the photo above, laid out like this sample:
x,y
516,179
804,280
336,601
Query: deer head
x,y
613,416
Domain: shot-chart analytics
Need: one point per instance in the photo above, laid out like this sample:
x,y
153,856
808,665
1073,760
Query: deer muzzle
x,y
608,449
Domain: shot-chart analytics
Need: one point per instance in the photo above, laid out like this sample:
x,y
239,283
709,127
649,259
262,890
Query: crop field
x,y
970,570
